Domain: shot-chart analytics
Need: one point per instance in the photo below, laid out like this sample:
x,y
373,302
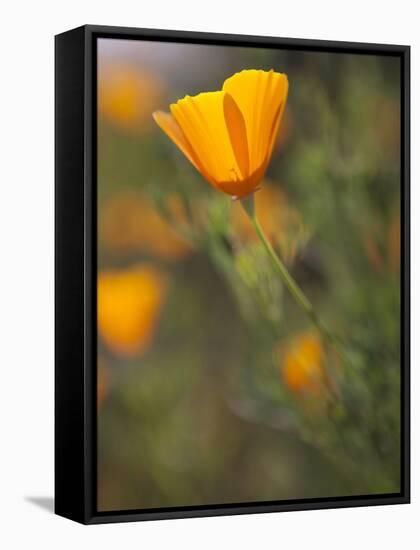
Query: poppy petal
x,y
261,97
171,128
202,120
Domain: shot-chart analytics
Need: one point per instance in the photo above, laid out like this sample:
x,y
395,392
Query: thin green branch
x,y
291,285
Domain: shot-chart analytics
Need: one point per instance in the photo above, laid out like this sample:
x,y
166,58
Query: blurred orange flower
x,y
129,305
229,135
130,222
282,224
302,364
160,236
127,95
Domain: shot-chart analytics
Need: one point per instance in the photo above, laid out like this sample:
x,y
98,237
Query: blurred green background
x,y
212,386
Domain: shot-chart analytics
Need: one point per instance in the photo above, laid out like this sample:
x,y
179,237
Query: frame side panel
x,y
69,275
406,271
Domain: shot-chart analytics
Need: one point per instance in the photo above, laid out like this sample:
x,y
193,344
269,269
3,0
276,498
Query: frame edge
x,y
70,473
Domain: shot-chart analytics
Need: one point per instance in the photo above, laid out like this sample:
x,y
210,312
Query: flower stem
x,y
290,283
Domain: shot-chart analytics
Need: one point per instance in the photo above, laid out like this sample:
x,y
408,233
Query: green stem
x,y
290,283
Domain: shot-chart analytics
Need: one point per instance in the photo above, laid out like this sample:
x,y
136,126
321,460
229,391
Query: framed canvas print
x,y
232,274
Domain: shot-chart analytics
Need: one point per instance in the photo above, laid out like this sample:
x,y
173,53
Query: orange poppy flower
x,y
302,365
127,95
130,222
129,304
229,135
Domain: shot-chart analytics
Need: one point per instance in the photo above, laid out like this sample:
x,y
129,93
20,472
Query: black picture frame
x,y
75,273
